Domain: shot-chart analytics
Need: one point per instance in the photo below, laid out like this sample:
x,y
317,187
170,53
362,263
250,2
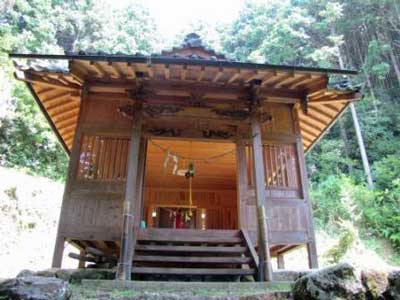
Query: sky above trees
x,y
174,16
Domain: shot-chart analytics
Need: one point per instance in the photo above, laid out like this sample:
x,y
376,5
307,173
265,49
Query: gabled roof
x,y
56,82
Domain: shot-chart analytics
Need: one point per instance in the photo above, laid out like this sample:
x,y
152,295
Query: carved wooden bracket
x,y
233,114
157,110
140,93
165,132
304,104
196,100
221,134
127,110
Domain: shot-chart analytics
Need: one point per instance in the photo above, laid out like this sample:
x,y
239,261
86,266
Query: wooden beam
x,y
184,72
150,71
321,124
56,98
254,75
310,126
201,74
124,268
282,80
35,79
298,81
98,68
115,70
268,77
167,73
131,70
265,269
235,76
280,261
311,245
77,72
218,75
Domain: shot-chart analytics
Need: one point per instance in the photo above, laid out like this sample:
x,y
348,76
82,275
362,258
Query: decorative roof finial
x,y
192,40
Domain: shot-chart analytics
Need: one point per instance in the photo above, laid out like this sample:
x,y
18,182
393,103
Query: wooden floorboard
x,y
192,259
192,271
194,249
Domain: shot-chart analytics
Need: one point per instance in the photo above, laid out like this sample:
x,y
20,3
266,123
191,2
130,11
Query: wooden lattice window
x,y
280,165
103,158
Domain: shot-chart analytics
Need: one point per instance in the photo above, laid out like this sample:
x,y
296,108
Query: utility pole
x,y
360,139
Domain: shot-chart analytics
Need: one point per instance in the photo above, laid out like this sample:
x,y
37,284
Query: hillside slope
x,y
29,212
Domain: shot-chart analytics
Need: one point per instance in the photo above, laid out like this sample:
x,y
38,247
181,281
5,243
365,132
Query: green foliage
x,y
53,26
347,237
376,212
387,172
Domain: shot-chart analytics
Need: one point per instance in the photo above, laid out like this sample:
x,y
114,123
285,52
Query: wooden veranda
x,y
122,117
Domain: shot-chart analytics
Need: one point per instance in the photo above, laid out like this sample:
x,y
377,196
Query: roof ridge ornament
x,y
192,40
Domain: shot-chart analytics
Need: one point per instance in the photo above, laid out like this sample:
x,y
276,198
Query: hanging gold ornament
x,y
189,175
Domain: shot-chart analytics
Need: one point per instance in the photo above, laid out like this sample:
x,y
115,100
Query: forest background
x,y
355,34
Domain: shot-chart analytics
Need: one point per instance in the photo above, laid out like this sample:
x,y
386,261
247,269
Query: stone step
x,y
130,290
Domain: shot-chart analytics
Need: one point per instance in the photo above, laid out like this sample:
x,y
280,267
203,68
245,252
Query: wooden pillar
x,y
70,180
58,252
281,261
82,263
311,244
242,184
265,269
124,268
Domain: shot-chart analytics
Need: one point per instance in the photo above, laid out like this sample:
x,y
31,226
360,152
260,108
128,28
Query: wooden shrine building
x,y
185,162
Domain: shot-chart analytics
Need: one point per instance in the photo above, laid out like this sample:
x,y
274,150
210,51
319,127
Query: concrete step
x,y
132,290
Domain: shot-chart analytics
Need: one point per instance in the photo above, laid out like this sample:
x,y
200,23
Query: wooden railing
x,y
280,166
103,158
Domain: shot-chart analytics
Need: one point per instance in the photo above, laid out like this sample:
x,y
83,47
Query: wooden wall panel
x,y
103,114
285,203
282,121
220,206
96,215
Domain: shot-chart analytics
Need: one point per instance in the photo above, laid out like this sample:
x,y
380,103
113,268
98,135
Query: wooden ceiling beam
x,y
201,74
323,109
253,75
311,135
68,135
171,86
67,122
44,91
64,129
55,98
313,127
35,79
184,72
267,78
62,104
130,70
98,68
333,108
300,80
167,73
218,75
63,107
150,71
63,113
320,113
116,70
234,77
282,80
314,120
